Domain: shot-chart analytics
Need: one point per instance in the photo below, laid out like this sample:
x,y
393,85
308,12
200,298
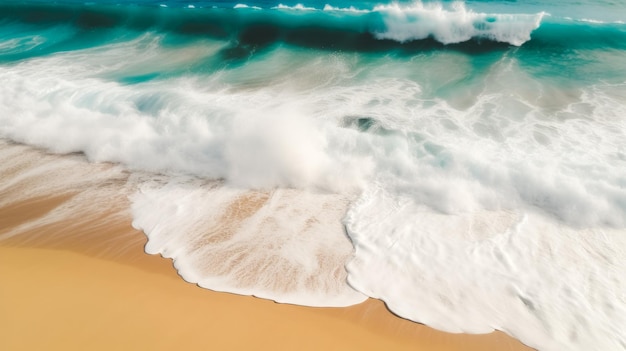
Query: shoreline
x,y
72,301
79,278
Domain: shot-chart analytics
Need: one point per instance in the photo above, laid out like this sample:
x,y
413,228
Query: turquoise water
x,y
473,151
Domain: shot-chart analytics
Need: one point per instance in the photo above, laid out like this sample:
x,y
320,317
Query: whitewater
x,y
464,162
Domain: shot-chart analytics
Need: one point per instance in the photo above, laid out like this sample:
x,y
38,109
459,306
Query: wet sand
x,y
73,275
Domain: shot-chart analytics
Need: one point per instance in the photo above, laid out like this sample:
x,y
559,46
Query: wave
x,y
330,27
420,21
385,28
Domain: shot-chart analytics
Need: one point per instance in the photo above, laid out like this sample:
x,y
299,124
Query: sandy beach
x,y
74,276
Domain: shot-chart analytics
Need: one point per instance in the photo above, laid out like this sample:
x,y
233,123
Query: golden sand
x,y
79,280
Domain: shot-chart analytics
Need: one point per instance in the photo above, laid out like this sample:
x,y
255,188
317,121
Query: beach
x,y
79,279
424,175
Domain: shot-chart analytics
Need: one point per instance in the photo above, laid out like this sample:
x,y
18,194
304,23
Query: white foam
x,y
422,20
298,7
509,215
595,21
353,9
284,245
196,130
244,6
552,286
297,127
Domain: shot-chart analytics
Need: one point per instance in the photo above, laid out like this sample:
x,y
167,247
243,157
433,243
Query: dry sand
x,y
73,276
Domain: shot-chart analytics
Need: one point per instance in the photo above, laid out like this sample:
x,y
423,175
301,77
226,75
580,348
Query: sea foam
x,y
457,24
515,271
285,245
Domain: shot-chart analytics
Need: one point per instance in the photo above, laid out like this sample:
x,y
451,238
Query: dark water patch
x,y
139,78
366,124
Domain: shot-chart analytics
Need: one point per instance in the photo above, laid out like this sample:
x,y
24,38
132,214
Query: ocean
x,y
464,162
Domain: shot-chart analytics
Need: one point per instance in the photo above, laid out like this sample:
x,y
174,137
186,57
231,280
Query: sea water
x,y
465,162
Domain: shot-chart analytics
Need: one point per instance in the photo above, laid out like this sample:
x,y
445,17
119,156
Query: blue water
x,y
473,151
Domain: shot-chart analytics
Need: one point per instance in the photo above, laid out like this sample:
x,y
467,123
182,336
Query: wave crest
x,y
458,24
